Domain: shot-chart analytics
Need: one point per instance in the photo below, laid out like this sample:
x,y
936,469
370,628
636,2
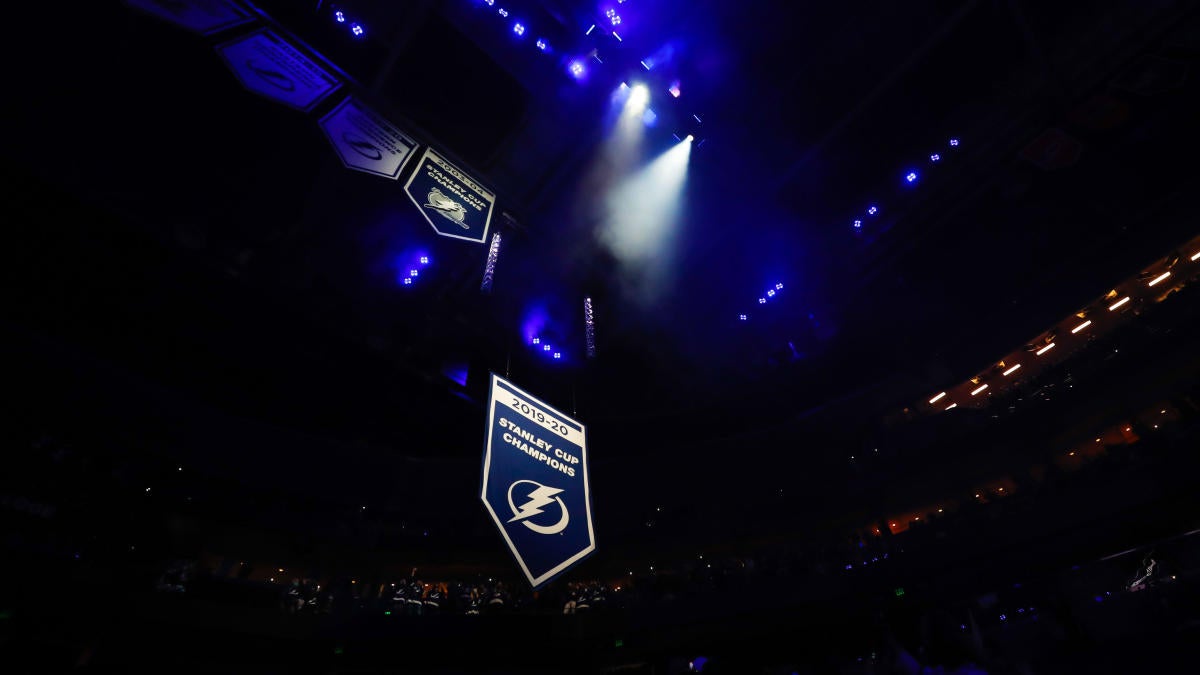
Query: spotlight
x,y
407,281
413,273
590,29
558,355
762,301
490,2
644,65
545,348
954,142
541,44
639,96
674,90
503,12
537,341
577,69
339,16
857,224
518,29
872,210
357,29
935,157
424,260
779,287
741,317
911,177
689,138
771,293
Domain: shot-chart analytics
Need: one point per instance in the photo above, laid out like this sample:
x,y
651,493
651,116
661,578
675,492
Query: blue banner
x,y
365,141
199,16
535,483
267,65
453,203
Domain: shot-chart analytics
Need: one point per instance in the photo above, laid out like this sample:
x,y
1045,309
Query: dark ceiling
x,y
193,252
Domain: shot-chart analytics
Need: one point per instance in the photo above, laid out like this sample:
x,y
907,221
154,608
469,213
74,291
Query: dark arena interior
x,y
601,336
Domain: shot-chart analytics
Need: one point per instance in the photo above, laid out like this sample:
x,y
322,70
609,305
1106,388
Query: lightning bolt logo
x,y
540,496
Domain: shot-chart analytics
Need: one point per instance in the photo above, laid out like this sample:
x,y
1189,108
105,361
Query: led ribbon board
x,y
535,483
365,141
268,66
453,203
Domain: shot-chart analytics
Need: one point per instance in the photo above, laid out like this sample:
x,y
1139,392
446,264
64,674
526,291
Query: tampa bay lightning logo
x,y
537,498
447,208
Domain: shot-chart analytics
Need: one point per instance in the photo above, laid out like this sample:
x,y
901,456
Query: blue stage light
x,y
857,224
503,12
407,281
577,69
674,90
424,260
589,324
541,44
339,16
954,142
413,273
490,2
872,210
771,293
518,28
910,177
649,118
742,317
537,341
558,355
489,268
779,287
545,348
762,301
935,157
357,29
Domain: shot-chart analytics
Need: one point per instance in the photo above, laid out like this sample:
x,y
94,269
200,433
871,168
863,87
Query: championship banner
x,y
268,66
453,203
199,16
366,142
535,483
